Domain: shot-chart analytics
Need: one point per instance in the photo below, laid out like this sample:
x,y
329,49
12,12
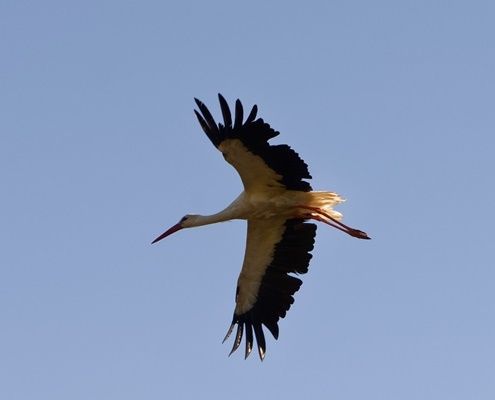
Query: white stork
x,y
276,202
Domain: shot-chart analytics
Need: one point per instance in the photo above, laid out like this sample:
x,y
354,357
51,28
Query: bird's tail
x,y
326,201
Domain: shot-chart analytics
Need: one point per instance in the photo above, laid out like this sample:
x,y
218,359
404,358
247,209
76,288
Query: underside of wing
x,y
275,250
254,135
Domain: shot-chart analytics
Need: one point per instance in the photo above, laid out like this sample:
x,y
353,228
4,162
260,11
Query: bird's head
x,y
186,221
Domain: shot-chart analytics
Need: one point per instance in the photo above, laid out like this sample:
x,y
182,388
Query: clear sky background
x,y
391,104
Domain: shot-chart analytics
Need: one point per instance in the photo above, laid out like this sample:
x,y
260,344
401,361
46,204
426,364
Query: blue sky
x,y
391,105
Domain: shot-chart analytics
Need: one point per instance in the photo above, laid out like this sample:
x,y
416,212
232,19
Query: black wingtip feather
x,y
227,116
238,338
239,114
229,332
248,328
213,134
260,339
252,115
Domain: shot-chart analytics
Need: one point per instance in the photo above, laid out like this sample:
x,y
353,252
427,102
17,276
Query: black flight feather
x,y
255,134
275,295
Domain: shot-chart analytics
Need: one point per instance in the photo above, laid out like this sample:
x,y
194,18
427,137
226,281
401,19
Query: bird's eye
x,y
183,219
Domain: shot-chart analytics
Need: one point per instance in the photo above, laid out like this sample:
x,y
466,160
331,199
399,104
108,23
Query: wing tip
x,y
245,327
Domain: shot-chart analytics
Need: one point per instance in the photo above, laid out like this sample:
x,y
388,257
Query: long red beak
x,y
174,229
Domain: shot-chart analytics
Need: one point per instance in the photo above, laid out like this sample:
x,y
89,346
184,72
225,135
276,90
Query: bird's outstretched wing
x,y
275,249
245,146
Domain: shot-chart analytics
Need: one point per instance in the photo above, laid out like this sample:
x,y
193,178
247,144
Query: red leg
x,y
336,224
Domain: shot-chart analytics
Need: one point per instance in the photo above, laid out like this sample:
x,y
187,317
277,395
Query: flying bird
x,y
277,203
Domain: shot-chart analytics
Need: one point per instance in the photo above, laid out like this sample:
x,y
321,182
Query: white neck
x,y
233,211
200,220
